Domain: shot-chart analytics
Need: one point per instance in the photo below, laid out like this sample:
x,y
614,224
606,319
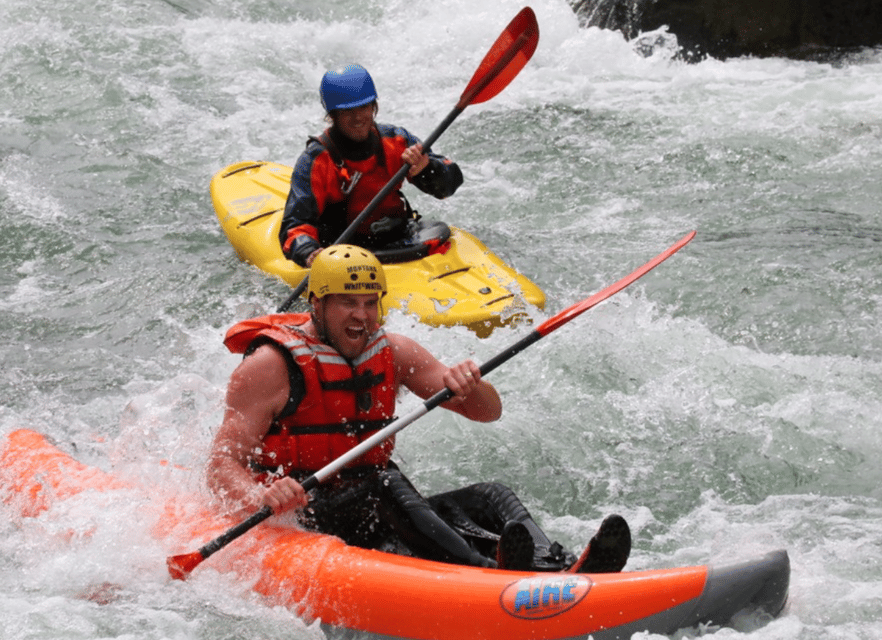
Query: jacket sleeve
x,y
298,234
441,177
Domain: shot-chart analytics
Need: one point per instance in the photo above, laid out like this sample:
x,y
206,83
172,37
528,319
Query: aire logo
x,y
544,596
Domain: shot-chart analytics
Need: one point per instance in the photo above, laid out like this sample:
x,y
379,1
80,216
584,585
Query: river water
x,y
726,404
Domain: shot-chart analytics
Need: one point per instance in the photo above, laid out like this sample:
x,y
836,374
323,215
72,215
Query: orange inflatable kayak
x,y
392,596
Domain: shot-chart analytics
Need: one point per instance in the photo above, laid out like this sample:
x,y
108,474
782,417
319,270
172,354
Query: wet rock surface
x,y
803,29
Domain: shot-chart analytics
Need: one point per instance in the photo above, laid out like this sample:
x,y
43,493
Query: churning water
x,y
727,404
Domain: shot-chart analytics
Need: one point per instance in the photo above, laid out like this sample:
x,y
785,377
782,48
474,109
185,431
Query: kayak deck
x,y
460,283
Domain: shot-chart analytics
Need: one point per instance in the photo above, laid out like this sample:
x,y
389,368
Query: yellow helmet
x,y
345,268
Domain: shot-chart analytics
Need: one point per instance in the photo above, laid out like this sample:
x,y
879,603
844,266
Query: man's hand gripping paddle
x,y
182,565
512,50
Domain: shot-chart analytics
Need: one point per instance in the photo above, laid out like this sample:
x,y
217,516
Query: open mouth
x,y
355,332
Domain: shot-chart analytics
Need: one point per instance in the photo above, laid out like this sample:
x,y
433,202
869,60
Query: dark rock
x,y
803,29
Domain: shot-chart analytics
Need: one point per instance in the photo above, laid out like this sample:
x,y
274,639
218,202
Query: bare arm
x,y
425,375
257,392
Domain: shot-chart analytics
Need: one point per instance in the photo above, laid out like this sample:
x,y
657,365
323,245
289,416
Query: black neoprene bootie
x,y
608,550
515,549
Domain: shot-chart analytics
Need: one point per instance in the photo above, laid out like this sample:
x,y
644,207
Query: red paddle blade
x,y
512,50
179,567
568,314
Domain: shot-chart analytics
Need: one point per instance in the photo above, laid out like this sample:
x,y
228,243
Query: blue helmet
x,y
347,87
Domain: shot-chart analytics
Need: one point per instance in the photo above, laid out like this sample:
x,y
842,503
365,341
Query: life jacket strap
x,y
354,428
347,180
363,381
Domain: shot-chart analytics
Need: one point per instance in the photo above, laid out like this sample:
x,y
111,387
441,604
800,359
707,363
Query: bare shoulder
x,y
266,355
409,352
400,343
258,390
416,368
265,369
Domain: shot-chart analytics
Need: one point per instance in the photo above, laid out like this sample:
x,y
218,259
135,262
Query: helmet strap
x,y
319,325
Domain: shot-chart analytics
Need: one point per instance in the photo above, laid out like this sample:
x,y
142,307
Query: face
x,y
355,123
348,320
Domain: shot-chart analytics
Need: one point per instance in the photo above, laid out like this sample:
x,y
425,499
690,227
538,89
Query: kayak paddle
x,y
512,50
182,565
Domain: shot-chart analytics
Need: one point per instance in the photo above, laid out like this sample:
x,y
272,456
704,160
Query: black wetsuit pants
x,y
460,526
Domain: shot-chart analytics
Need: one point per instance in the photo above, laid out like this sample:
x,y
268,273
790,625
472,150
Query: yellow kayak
x,y
443,275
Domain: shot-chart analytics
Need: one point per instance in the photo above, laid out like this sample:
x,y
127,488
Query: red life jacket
x,y
345,402
361,180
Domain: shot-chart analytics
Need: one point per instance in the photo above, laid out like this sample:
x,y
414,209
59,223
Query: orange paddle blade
x,y
512,50
568,314
179,567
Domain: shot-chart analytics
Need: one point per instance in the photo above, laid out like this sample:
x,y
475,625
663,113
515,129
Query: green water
x,y
727,404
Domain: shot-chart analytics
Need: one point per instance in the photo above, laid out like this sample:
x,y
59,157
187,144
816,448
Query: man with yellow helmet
x,y
312,386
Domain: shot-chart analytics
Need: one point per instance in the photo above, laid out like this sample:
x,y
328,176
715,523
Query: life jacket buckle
x,y
348,183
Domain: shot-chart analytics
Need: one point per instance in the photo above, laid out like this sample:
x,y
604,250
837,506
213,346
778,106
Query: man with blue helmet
x,y
342,170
